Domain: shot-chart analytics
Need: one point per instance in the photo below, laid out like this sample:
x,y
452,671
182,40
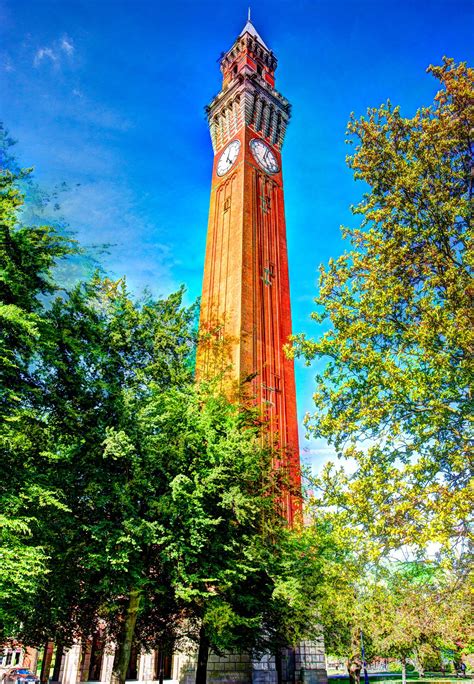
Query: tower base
x,y
311,662
305,664
302,665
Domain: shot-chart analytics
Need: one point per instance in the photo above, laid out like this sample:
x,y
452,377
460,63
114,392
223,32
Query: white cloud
x,y
45,53
106,211
54,52
7,64
67,45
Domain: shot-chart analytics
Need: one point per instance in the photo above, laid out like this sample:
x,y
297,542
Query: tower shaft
x,y
246,295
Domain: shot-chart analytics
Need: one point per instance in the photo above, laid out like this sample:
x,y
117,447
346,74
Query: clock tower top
x,y
248,55
248,96
250,28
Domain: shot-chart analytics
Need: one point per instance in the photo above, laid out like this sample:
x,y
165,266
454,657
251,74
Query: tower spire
x,y
250,28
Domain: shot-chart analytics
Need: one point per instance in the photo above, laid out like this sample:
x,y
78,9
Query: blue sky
x,y
109,97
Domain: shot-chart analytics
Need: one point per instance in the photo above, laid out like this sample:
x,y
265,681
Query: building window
x,y
268,274
265,203
259,70
270,389
235,70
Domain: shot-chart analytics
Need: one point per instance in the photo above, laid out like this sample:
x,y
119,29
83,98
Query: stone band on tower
x,y
246,295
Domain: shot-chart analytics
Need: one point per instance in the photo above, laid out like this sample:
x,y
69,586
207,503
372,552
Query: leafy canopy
x,y
28,255
395,393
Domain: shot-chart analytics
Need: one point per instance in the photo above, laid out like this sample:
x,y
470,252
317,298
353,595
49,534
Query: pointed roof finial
x,y
250,28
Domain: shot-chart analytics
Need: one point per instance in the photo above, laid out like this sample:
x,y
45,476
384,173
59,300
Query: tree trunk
x,y
354,666
159,674
57,662
97,653
124,646
419,665
203,655
278,667
404,671
46,664
162,670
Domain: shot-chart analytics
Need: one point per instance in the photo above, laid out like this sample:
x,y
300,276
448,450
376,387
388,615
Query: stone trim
x,y
252,106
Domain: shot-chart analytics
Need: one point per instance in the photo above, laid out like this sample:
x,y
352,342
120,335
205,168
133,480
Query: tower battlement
x,y
248,96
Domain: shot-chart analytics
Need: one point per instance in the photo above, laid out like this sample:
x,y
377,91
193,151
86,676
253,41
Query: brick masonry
x,y
245,304
303,665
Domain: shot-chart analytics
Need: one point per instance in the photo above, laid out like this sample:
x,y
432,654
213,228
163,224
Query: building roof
x,y
250,28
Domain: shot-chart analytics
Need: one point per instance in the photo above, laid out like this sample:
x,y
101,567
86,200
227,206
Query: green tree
x,y
395,393
28,255
215,509
105,357
169,493
233,563
242,579
159,514
341,562
409,611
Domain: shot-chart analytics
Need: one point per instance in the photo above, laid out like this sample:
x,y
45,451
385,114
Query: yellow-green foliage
x,y
396,390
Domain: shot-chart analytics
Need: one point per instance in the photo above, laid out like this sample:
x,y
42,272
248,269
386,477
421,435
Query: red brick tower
x,y
246,295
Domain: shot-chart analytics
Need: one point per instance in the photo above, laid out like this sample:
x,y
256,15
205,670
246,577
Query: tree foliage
x,y
134,498
410,611
106,357
396,393
28,255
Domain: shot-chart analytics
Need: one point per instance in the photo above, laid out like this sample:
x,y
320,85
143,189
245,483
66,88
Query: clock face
x,y
228,157
264,156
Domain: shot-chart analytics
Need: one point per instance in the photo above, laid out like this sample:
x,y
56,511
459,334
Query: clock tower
x,y
246,295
